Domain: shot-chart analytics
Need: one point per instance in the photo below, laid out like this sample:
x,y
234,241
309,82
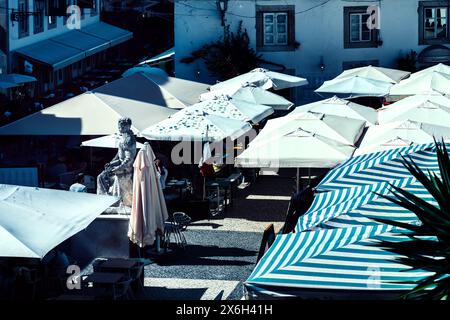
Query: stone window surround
x,y
422,6
374,43
290,10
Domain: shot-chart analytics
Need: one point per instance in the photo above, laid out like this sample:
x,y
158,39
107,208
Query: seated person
x,y
56,262
78,186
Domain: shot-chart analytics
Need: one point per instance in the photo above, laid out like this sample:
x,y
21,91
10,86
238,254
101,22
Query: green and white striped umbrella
x,y
340,263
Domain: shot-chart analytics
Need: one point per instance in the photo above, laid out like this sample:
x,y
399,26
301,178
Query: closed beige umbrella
x,y
148,211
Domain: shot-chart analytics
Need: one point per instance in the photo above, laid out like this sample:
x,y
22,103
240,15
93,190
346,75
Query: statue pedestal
x,y
120,209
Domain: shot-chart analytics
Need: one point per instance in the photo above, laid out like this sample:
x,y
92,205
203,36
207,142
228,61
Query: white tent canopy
x,y
297,149
400,134
425,83
356,86
145,69
193,124
376,73
343,130
32,221
97,112
185,91
252,94
166,55
440,67
234,109
111,141
145,99
421,108
263,78
340,107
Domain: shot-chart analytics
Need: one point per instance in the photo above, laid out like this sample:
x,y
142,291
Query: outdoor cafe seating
x,y
174,227
113,279
223,189
31,279
205,196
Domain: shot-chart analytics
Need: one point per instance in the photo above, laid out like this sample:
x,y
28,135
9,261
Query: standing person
x,y
162,173
78,186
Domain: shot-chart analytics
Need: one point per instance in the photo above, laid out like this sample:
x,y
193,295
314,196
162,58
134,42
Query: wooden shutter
x,y
259,28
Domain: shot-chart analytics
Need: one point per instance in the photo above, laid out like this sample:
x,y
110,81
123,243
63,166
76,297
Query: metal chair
x,y
137,275
182,219
30,278
216,198
173,228
122,290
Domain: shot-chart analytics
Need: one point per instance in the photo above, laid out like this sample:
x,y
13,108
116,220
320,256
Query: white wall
x,y
319,31
16,42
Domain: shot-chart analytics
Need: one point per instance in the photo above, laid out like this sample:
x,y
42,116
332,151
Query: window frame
x,y
41,16
348,43
52,25
67,15
347,65
24,19
423,5
261,11
94,11
360,24
275,32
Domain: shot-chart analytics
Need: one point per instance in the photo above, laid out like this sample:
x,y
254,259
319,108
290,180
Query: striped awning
x,y
333,259
379,167
332,250
352,194
361,205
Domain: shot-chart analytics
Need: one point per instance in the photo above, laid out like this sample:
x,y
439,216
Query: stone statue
x,y
117,178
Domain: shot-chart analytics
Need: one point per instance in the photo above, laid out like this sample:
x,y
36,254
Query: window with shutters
x,y
24,27
38,18
357,33
433,22
275,28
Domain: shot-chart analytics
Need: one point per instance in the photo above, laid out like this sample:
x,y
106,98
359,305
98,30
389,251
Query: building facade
x,y
316,39
55,40
3,36
151,22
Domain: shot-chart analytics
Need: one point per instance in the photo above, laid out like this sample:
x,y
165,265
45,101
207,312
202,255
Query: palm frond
x,y
420,252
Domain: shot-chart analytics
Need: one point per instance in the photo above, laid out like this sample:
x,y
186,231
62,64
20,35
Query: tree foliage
x,y
428,247
408,62
229,56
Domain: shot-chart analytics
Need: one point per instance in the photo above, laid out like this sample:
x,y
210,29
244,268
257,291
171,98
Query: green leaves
x,y
428,247
228,57
231,56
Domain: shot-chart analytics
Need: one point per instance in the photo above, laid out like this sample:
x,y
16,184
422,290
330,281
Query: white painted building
x,y
128,5
315,39
53,47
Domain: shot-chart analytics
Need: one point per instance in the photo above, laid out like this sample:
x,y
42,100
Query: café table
x,y
177,184
117,265
132,268
104,278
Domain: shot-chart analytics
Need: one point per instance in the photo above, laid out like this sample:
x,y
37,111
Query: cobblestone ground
x,y
221,251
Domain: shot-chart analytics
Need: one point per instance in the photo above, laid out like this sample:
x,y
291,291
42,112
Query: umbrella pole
x,y
204,160
298,179
204,188
309,174
90,158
